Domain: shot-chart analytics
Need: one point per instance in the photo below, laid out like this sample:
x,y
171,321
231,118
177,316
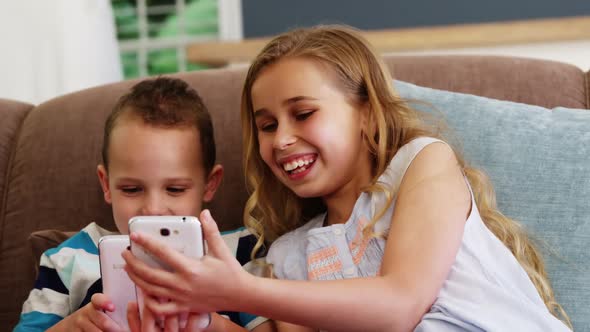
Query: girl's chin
x,y
306,192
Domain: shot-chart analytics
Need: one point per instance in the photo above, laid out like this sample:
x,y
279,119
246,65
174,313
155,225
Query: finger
x,y
150,300
160,250
198,322
139,266
102,322
101,301
182,320
148,274
155,290
133,317
166,308
171,324
87,325
148,320
215,243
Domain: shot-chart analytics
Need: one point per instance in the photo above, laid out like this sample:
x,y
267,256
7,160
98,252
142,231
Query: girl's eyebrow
x,y
263,111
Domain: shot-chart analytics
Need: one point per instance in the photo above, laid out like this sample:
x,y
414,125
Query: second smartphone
x,y
181,233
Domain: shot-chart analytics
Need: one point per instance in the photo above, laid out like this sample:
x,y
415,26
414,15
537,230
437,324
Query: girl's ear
x,y
213,181
366,127
103,178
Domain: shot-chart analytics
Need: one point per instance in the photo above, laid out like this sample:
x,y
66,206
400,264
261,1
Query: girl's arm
x,y
432,205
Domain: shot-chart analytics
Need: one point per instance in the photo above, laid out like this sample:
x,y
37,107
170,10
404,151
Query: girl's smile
x,y
297,166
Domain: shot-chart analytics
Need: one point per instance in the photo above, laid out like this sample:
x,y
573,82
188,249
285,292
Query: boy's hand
x,y
90,317
205,285
195,322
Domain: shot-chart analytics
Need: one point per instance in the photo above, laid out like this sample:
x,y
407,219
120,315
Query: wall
x,y
268,17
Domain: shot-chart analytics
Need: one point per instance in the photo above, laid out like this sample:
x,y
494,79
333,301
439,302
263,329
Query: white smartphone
x,y
115,281
181,233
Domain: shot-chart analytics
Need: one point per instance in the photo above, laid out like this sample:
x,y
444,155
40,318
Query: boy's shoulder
x,y
241,242
67,276
85,240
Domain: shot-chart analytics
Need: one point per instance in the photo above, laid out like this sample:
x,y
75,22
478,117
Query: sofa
x,y
49,153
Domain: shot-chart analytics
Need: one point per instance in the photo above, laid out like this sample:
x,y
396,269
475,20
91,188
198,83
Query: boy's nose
x,y
153,206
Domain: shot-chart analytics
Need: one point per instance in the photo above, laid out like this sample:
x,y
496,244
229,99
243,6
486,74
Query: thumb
x,y
215,243
101,301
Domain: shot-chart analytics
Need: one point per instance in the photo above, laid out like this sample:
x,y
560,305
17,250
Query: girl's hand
x,y
209,284
90,317
148,324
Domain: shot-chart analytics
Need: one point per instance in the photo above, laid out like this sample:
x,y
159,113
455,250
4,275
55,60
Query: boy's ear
x,y
213,181
103,178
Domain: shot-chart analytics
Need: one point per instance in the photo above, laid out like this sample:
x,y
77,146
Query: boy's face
x,y
155,171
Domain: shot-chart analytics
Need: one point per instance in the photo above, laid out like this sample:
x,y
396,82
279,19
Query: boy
x,y
158,159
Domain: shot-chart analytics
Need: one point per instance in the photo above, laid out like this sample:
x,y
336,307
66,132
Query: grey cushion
x,y
539,162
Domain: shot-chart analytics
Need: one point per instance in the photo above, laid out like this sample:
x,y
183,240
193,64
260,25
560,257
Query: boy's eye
x,y
175,190
131,190
303,115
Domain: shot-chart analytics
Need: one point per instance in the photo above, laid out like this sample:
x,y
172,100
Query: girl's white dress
x,y
486,289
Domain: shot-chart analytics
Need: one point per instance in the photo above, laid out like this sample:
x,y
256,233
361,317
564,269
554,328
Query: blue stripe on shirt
x,y
48,278
36,321
80,240
241,229
246,318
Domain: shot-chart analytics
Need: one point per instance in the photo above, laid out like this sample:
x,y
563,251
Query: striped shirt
x,y
70,274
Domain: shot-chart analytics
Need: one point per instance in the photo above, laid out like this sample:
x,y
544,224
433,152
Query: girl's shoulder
x,y
286,251
402,159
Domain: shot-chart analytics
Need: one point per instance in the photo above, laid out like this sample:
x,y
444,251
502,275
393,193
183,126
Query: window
x,y
153,34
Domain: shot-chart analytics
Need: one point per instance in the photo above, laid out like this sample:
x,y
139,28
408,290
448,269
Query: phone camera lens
x,y
164,231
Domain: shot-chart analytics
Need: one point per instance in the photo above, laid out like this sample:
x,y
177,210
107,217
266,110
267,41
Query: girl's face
x,y
308,130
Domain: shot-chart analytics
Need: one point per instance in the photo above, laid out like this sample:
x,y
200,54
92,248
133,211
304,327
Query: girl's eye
x,y
268,127
175,190
303,115
130,190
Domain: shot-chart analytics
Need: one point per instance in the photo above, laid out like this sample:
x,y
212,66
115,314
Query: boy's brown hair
x,y
165,102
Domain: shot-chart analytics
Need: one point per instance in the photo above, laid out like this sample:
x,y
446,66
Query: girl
x,y
352,188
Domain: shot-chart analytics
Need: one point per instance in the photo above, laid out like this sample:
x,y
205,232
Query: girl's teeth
x,y
296,164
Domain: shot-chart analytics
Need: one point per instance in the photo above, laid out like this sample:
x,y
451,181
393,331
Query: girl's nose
x,y
284,137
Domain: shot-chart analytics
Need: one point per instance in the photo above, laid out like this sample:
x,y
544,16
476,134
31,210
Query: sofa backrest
x,y
49,153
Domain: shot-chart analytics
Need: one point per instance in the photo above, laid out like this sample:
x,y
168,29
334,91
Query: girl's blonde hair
x,y
273,210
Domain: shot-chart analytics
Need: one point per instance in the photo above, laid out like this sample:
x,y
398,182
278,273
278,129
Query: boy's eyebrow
x,y
132,179
127,178
263,111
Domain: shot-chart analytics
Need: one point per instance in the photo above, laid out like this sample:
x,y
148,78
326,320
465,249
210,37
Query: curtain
x,y
49,48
